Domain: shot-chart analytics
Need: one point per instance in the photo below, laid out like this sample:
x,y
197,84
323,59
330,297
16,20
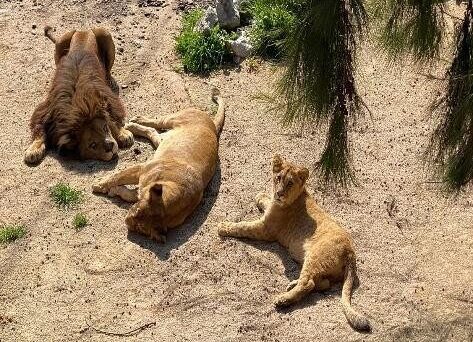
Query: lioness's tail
x,y
356,320
219,118
48,32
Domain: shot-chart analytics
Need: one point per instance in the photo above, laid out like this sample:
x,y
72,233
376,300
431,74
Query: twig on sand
x,y
431,77
124,334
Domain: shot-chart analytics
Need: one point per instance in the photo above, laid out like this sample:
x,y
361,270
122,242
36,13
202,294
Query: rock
x,y
242,47
208,21
228,16
150,3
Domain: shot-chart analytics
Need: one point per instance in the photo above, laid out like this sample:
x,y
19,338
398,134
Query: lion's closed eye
x,y
93,146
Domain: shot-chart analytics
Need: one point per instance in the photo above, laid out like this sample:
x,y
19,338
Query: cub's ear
x,y
303,174
277,163
156,192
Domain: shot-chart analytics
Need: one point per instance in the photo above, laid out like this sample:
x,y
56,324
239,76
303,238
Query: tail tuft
x,y
220,116
354,318
48,32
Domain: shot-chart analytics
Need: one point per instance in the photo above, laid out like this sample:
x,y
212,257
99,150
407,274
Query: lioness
x,y
172,183
293,218
81,115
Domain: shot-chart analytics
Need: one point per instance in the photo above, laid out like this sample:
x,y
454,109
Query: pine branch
x,y
318,85
452,142
413,27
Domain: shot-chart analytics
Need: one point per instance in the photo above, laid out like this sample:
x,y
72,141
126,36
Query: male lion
x,y
81,114
172,183
293,218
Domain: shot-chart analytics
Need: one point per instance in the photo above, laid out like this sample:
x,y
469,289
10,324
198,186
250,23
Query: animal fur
x,y
79,95
172,183
313,238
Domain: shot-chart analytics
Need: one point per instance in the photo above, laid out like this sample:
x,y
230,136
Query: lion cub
x,y
293,218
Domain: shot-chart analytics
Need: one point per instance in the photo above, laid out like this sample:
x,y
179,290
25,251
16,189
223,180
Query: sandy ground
x,y
415,261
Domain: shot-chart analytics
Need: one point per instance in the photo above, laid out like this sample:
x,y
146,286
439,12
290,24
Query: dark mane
x,y
79,93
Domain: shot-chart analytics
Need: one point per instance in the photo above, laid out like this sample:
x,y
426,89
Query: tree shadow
x,y
86,166
180,235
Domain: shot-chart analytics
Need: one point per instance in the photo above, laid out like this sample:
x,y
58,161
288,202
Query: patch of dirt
x,y
56,282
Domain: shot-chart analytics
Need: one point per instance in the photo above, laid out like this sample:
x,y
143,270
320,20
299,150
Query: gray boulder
x,y
241,47
227,14
208,21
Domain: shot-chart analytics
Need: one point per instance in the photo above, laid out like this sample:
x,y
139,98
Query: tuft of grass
x,y
273,21
200,52
10,233
80,221
65,197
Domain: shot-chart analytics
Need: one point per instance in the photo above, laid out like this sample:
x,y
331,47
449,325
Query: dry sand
x,y
415,261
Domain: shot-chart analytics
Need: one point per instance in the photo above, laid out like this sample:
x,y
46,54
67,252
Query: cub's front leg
x,y
128,176
253,230
128,195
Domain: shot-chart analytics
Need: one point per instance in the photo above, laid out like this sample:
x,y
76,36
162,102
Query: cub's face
x,y
96,141
288,181
145,216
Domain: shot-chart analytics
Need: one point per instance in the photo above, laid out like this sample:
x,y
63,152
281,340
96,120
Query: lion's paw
x,y
99,188
35,154
291,285
224,228
137,119
282,301
125,139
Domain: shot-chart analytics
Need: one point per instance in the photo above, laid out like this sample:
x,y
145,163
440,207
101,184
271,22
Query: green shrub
x,y
200,52
9,233
80,221
65,196
273,21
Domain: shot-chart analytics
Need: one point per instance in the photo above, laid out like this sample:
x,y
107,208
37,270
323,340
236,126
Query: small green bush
x,y
65,196
200,52
273,21
80,221
9,233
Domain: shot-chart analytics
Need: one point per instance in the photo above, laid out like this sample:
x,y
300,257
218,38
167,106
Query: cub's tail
x,y
220,116
48,32
354,318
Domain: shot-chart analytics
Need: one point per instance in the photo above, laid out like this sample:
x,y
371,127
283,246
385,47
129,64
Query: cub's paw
x,y
282,301
99,188
34,154
291,285
224,228
125,139
260,200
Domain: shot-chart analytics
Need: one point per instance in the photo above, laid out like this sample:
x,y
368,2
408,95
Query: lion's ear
x,y
66,144
156,192
303,174
277,163
63,140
